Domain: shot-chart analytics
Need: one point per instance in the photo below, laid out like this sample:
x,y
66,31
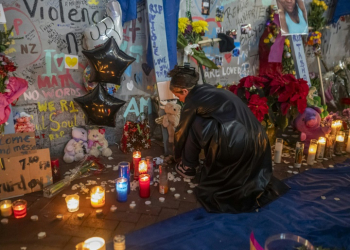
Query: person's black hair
x,y
183,78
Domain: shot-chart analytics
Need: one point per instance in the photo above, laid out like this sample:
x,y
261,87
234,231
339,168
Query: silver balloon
x,y
111,26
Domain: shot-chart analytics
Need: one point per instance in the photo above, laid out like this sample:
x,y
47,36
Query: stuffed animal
x,y
97,143
77,147
171,118
308,123
315,101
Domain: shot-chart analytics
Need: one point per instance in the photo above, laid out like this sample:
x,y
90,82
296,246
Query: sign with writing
x,y
158,39
299,58
25,174
18,144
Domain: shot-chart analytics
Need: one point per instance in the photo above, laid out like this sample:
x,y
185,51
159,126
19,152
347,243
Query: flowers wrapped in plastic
x,y
90,165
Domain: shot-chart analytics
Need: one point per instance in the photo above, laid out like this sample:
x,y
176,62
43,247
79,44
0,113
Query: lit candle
x,y
97,196
336,126
330,141
19,208
124,171
312,152
320,148
339,142
149,161
136,157
95,243
299,151
143,167
348,145
122,189
144,183
72,202
6,208
119,242
278,150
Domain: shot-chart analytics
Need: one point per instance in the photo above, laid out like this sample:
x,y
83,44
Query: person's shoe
x,y
184,171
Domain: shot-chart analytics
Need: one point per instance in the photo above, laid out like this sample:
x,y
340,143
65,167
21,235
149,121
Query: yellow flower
x,y
219,86
325,7
200,26
183,22
269,35
293,72
266,40
287,42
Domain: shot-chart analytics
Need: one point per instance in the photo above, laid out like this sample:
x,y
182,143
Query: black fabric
x,y
226,44
237,176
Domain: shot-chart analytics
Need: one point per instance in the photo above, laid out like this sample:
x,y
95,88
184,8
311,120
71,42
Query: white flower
x,y
128,145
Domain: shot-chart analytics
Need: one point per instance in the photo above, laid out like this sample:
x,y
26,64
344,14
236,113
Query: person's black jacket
x,y
237,176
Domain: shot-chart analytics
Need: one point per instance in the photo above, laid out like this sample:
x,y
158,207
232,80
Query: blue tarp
x,y
342,9
301,211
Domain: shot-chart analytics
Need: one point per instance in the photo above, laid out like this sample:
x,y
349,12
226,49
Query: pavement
x,y
67,233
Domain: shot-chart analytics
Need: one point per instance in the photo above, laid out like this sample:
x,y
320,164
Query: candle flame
x,y
144,178
340,138
137,154
322,140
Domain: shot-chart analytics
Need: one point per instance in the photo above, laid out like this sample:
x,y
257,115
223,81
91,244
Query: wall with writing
x,y
245,60
52,28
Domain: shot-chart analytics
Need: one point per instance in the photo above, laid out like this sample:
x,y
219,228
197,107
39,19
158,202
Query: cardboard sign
x,y
158,39
299,58
25,174
18,144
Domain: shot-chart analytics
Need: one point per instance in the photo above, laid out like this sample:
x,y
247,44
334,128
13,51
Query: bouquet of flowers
x,y
287,59
273,98
315,16
190,33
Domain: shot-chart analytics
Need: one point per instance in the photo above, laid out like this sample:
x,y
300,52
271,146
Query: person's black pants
x,y
201,128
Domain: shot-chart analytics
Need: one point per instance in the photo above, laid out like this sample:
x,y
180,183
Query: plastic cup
x,y
287,242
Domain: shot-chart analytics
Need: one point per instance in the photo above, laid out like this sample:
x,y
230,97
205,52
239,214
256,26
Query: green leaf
x,y
282,121
181,41
202,59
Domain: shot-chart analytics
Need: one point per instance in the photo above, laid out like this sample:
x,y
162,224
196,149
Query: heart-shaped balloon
x,y
111,26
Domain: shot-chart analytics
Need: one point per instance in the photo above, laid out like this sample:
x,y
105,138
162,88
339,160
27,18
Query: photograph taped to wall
x,y
246,29
293,17
232,33
219,17
205,7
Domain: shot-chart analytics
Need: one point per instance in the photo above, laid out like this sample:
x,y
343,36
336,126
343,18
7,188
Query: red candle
x,y
144,183
55,167
19,208
136,157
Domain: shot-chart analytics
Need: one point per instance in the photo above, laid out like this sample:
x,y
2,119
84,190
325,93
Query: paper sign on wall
x,y
71,62
18,144
2,15
25,174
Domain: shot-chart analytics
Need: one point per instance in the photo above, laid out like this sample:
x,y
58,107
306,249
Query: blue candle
x,y
122,189
124,171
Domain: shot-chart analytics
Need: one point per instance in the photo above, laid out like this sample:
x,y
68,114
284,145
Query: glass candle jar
x,y
339,143
95,243
119,242
6,208
321,146
124,171
122,189
287,242
19,208
150,170
97,197
136,157
312,152
299,151
144,184
330,142
163,178
278,150
72,202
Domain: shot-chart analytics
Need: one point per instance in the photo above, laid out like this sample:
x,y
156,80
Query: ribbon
x,y
276,51
188,49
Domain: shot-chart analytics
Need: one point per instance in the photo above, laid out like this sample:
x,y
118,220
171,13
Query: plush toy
x,y
77,147
315,101
97,143
308,123
171,118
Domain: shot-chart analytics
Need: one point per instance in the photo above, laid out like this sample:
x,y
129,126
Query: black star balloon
x,y
107,62
99,107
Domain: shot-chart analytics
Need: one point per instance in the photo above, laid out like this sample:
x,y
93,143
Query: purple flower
x,y
312,75
188,29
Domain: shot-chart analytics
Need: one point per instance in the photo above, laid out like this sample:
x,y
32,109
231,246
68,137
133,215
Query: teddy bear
x,y
97,143
77,147
314,100
309,124
171,118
